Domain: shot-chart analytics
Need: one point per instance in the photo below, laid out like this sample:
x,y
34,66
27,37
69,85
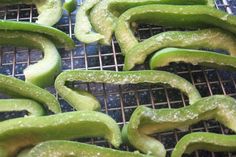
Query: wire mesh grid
x,y
119,101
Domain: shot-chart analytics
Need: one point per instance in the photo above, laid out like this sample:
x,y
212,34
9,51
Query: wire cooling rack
x,y
120,101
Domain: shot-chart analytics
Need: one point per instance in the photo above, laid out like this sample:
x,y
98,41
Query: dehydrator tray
x,y
119,101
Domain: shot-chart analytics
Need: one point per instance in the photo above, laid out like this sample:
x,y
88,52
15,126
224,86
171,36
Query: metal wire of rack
x,y
119,101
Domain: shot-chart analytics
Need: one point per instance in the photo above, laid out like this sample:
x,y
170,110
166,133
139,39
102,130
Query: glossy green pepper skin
x,y
18,88
145,121
59,38
82,100
50,11
204,141
68,148
195,40
20,133
32,107
40,37
110,10
168,15
205,58
44,72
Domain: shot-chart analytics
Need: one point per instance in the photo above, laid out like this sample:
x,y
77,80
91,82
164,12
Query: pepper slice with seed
x,y
19,133
146,121
82,100
68,148
110,10
220,40
168,15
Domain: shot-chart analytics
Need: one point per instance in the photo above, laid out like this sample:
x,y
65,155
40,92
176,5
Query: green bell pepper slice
x,y
67,148
44,72
59,38
82,100
146,121
50,11
18,88
195,57
168,15
40,37
204,141
83,28
17,134
32,107
110,10
199,39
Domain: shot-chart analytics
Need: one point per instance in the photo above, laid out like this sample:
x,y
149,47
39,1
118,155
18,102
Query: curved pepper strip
x,y
59,38
83,28
204,141
205,58
82,100
193,39
168,15
191,16
68,148
19,133
110,10
50,11
32,107
117,7
145,121
42,73
19,88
